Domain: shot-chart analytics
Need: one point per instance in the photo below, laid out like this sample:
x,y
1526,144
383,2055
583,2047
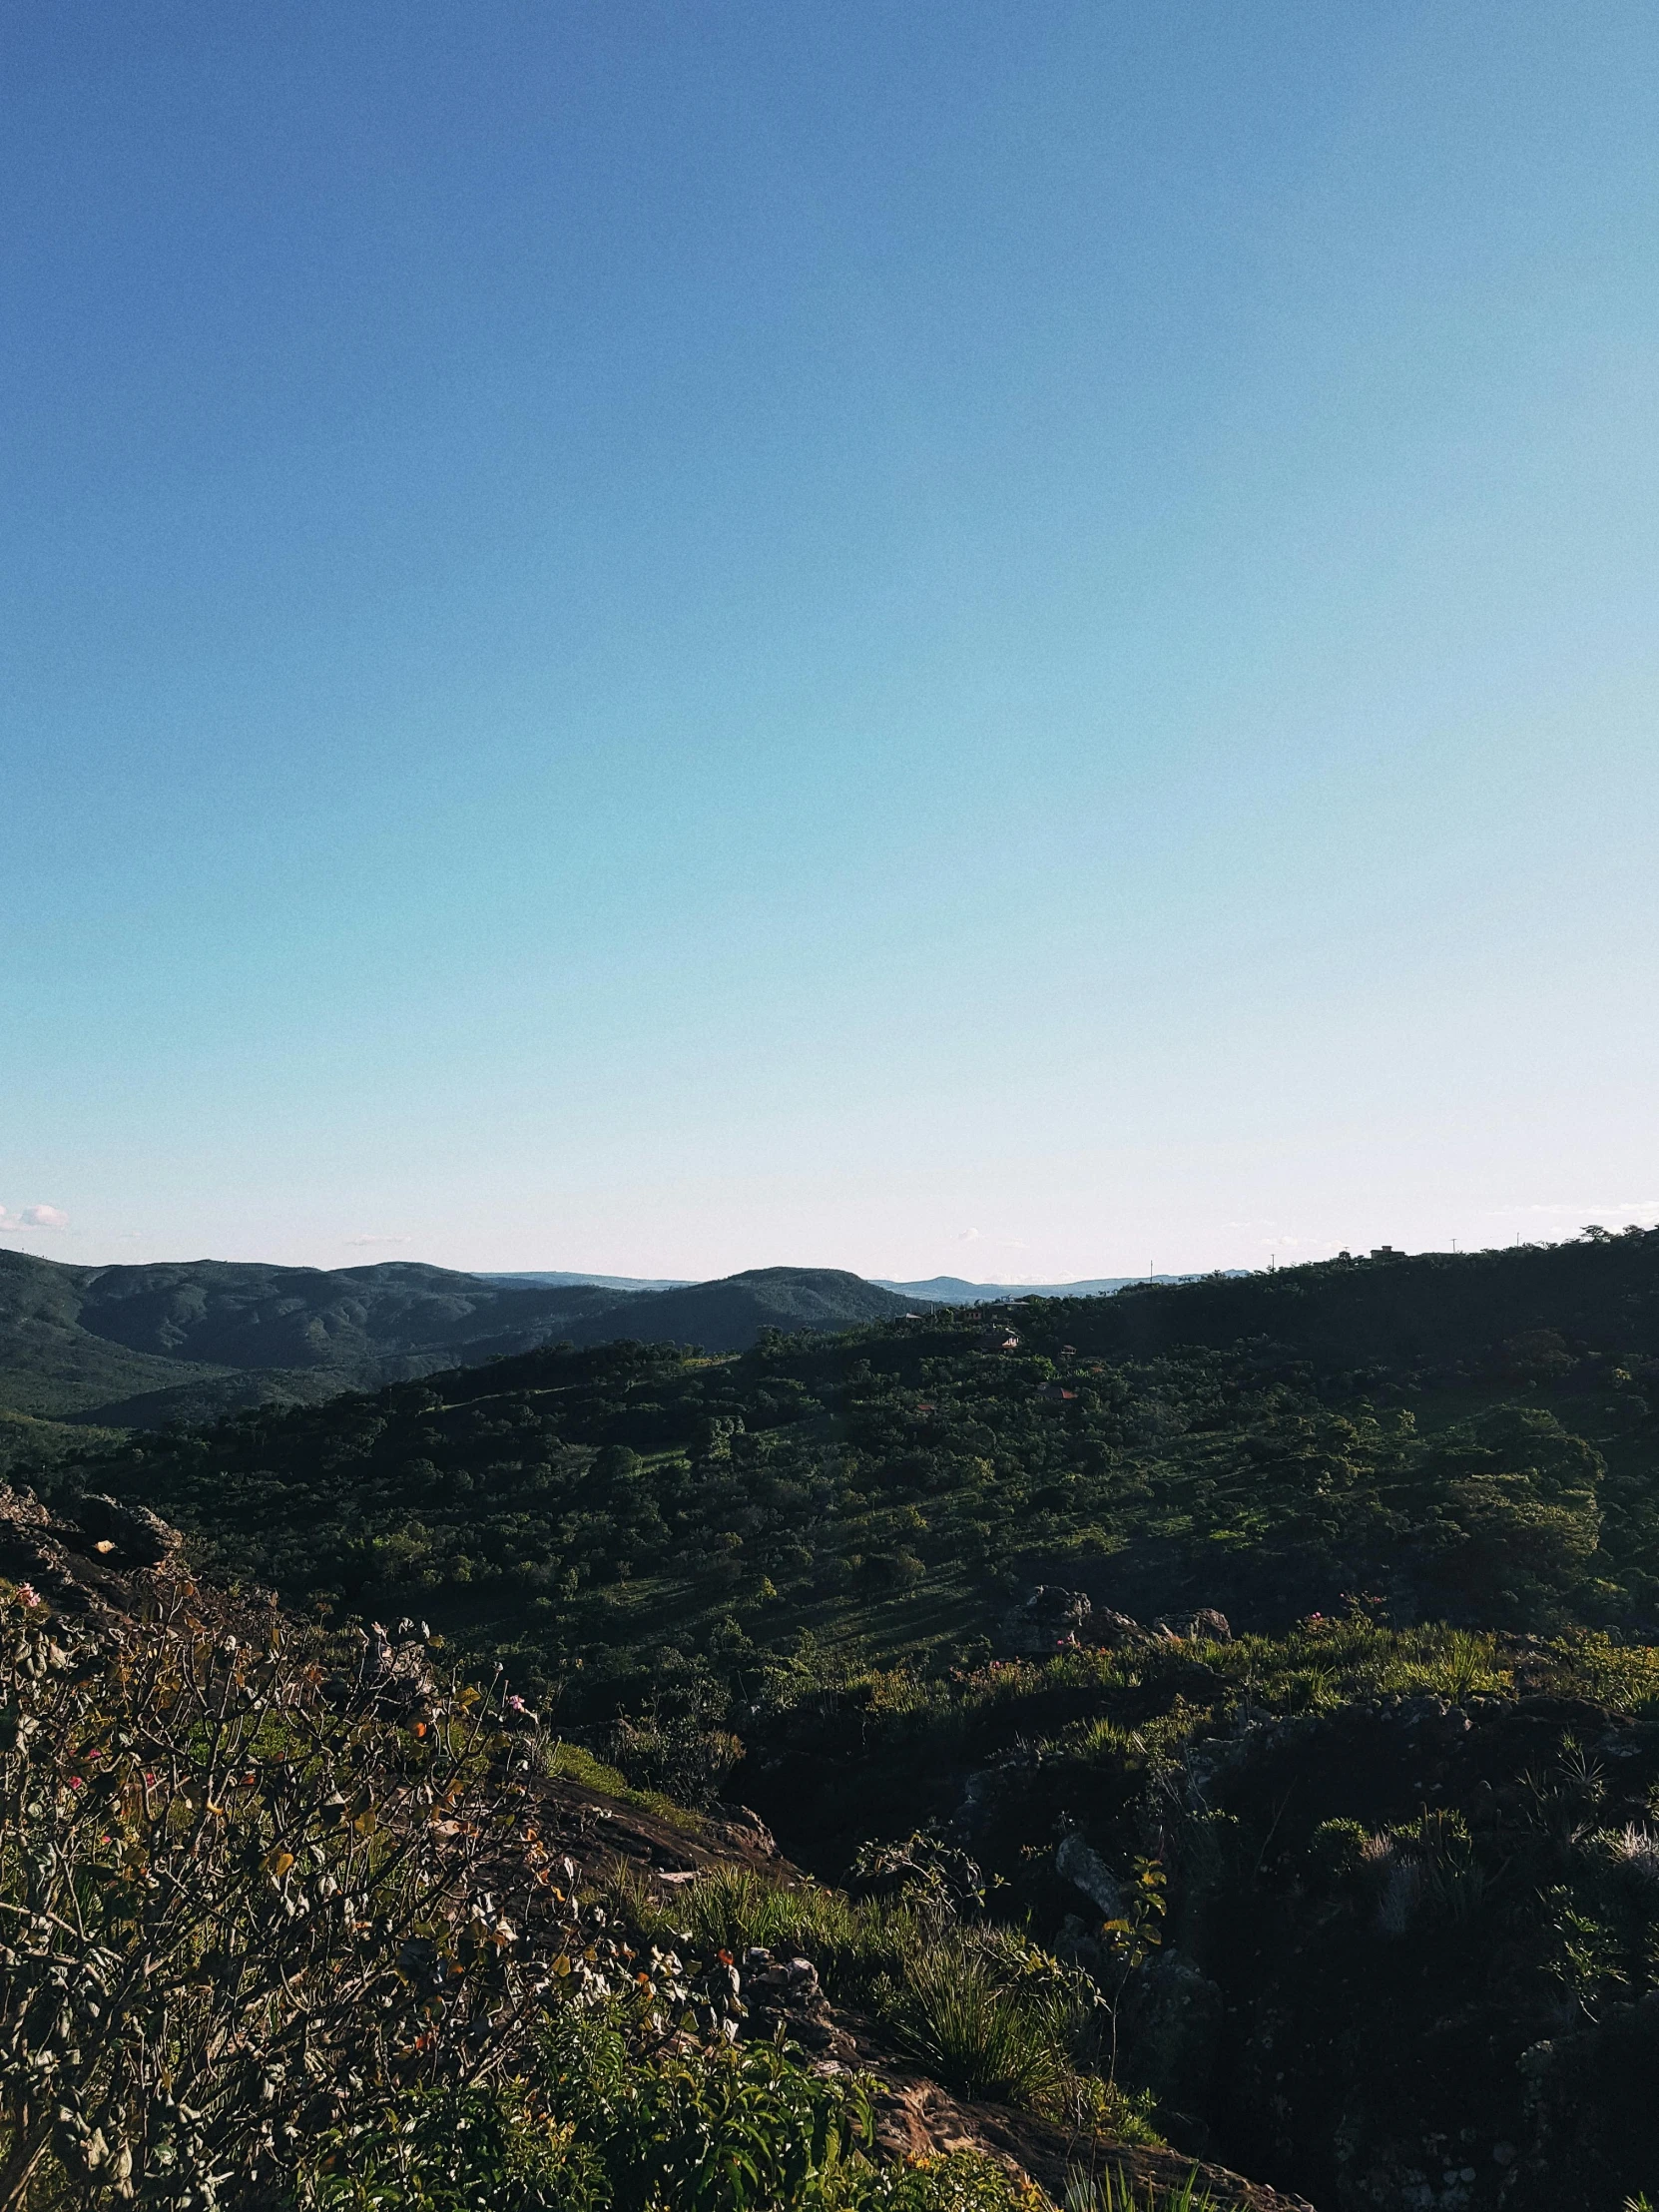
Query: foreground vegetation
x,y
278,1929
282,1926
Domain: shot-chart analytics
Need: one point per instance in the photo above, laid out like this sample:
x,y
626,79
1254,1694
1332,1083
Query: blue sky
x,y
1006,639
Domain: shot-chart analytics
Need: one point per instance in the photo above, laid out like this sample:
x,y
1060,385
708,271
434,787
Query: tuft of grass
x,y
976,2035
1453,1663
1109,1742
1114,2190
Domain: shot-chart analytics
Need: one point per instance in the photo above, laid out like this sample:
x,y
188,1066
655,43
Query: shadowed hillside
x,y
1412,1316
140,1347
729,1315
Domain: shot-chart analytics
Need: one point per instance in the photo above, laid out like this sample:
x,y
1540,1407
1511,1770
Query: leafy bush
x,y
239,1900
592,2130
744,2130
750,2133
253,1950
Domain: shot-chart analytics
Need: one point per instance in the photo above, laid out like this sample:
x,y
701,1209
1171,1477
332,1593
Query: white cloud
x,y
378,1239
968,1236
33,1217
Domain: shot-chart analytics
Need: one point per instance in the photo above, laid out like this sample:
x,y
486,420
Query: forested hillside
x,y
176,1341
583,1508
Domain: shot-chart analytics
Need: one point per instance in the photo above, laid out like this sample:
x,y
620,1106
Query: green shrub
x,y
248,1955
960,2181
480,2150
1336,1850
595,2130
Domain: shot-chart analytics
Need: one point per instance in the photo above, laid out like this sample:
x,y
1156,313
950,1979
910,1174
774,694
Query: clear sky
x,y
1013,639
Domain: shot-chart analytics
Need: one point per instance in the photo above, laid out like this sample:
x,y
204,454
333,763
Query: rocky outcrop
x,y
739,1826
784,2003
1118,1632
1047,1618
1082,1866
140,1537
80,1561
1208,1626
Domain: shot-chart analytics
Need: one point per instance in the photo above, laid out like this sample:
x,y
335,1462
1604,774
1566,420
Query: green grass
x,y
974,2006
567,1762
980,2038
1113,2190
730,1907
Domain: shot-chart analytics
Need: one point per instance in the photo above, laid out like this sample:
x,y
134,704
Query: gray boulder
x,y
1209,1627
1082,1866
1048,1616
1173,2015
1118,1630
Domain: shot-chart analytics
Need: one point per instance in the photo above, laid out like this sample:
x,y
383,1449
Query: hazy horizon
x,y
1010,643
1009,1280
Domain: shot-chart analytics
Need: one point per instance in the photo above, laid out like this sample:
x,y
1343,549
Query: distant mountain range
x,y
938,1290
547,1280
188,1340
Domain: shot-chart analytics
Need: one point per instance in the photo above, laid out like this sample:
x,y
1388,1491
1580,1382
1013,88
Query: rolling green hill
x,y
582,1509
728,1316
140,1347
